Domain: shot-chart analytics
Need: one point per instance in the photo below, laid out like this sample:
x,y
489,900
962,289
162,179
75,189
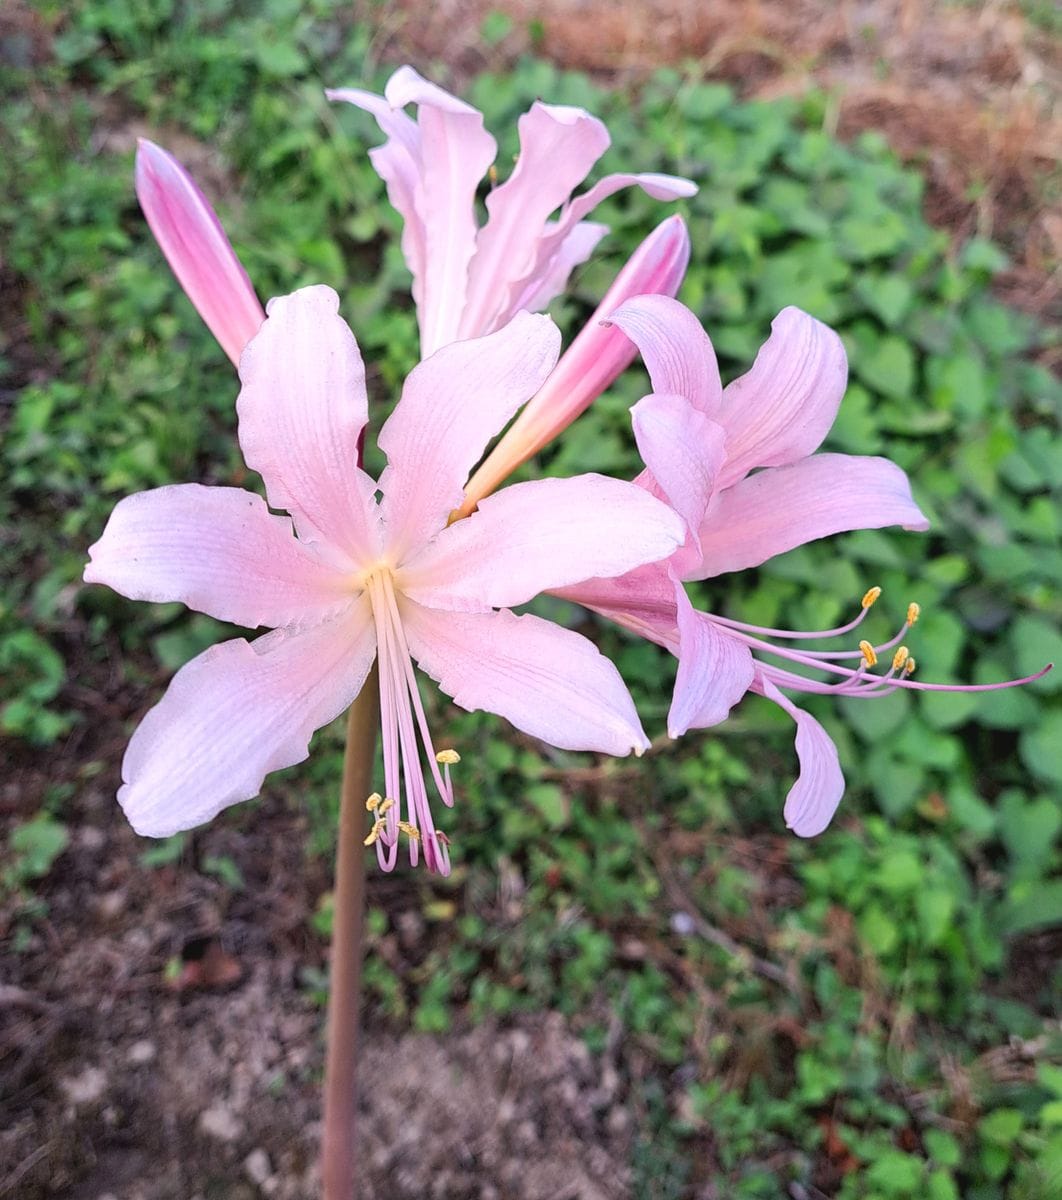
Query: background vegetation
x,y
866,1015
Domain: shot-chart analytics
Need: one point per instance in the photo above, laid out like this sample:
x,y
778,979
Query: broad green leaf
x,y
1041,747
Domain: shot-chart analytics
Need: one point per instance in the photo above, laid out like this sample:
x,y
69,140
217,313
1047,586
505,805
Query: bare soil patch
x,y
157,1042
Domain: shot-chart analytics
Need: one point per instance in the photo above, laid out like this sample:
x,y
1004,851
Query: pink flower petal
x,y
678,354
547,681
715,671
191,237
218,550
539,535
642,601
432,167
814,798
236,712
775,510
407,86
456,152
591,363
558,146
573,252
781,410
452,404
659,187
302,409
684,450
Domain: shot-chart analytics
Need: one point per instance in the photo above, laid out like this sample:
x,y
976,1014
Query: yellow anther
x,y
870,656
448,758
914,611
870,596
900,657
492,175
411,831
377,806
909,666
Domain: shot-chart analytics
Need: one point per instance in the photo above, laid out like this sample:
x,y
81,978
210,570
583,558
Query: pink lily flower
x,y
191,237
467,280
348,579
738,465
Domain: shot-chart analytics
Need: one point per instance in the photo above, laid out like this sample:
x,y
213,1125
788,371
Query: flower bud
x,y
191,237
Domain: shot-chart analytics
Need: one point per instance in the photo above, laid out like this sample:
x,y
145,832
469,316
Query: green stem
x,y
338,1154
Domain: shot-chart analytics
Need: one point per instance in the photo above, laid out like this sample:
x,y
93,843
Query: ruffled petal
x,y
218,550
547,681
776,510
456,152
453,404
780,411
551,282
432,167
814,798
539,535
715,670
677,353
301,410
558,146
684,450
659,187
237,712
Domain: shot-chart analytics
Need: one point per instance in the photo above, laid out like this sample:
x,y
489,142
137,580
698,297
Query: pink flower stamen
x,y
841,655
860,683
868,601
402,719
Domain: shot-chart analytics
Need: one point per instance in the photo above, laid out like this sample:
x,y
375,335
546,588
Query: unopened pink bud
x,y
590,364
191,237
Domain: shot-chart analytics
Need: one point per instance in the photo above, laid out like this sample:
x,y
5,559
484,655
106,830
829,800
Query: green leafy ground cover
x,y
867,1014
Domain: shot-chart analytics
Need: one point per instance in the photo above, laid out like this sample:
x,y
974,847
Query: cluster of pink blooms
x,y
425,565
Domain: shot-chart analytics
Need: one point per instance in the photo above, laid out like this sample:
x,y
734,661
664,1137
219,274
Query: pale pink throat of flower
x,y
192,239
850,672
591,363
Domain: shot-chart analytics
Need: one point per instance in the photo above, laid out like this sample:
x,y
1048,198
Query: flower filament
x,y
845,680
404,728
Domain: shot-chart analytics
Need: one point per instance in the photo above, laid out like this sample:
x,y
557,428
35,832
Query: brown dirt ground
x,y
157,1040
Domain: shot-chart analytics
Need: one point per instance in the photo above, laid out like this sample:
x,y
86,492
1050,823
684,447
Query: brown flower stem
x,y
338,1154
